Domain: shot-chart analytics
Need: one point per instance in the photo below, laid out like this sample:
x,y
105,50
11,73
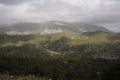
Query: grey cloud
x,y
105,11
53,9
104,19
13,2
55,5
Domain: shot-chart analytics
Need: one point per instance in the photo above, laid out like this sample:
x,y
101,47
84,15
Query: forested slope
x,y
62,56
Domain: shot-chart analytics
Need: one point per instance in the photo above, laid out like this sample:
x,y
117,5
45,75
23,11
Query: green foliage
x,y
63,56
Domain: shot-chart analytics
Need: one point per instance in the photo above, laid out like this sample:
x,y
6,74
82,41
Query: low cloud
x,y
94,12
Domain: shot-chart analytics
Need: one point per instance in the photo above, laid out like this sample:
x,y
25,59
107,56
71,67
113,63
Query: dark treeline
x,y
14,38
38,61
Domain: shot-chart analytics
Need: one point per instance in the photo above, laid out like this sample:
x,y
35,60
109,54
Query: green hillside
x,y
62,56
73,38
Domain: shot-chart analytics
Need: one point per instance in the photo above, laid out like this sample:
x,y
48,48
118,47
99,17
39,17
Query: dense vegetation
x,y
64,56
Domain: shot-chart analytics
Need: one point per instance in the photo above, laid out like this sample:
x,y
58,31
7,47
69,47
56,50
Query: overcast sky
x,y
100,12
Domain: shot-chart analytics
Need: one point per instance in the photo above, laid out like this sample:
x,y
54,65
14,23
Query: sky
x,y
99,12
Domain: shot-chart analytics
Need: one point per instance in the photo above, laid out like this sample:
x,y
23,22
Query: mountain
x,y
49,27
88,27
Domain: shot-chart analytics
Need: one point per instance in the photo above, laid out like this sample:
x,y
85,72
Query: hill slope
x,y
97,44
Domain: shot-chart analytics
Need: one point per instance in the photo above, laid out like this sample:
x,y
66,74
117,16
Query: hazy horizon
x,y
99,12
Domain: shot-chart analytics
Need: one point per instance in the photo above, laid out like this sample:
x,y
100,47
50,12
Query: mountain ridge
x,y
49,27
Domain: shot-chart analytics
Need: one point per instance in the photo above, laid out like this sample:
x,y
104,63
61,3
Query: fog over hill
x,y
48,27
